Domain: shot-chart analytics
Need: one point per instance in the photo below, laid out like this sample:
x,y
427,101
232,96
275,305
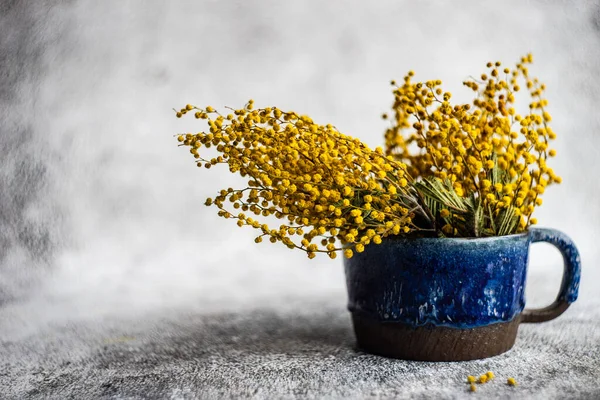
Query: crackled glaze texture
x,y
461,283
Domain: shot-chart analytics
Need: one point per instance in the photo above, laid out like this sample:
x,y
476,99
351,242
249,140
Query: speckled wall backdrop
x,y
30,217
95,189
102,214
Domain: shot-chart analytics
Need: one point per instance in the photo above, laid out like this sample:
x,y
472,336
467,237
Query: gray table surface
x,y
281,347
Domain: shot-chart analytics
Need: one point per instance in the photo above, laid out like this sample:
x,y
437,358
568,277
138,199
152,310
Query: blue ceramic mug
x,y
448,299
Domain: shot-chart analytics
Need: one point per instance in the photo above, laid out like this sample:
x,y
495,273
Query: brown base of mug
x,y
434,343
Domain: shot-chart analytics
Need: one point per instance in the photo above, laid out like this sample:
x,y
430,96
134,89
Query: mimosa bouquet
x,y
464,170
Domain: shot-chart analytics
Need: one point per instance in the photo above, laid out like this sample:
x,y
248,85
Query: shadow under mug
x,y
450,299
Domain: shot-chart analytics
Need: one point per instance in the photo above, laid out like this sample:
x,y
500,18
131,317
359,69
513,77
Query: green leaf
x,y
492,222
496,169
499,175
441,193
506,221
476,216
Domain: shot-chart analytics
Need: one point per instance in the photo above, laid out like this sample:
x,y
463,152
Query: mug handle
x,y
571,275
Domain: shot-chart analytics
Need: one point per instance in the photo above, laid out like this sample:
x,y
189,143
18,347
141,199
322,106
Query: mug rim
x,y
464,239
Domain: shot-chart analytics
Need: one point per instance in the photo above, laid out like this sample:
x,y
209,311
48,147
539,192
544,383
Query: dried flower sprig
x,y
482,152
332,189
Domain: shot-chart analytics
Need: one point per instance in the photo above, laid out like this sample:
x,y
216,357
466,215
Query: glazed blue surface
x,y
450,282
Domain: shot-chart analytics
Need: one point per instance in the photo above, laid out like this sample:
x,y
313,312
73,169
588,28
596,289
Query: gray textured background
x,y
115,280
